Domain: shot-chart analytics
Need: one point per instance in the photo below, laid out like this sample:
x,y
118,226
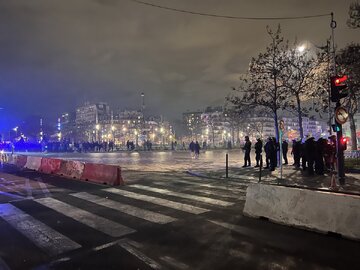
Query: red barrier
x,y
103,174
72,169
50,165
20,161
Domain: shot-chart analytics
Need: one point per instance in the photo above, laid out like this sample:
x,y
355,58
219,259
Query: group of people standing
x,y
312,156
194,149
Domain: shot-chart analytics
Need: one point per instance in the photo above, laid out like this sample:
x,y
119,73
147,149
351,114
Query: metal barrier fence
x,y
352,154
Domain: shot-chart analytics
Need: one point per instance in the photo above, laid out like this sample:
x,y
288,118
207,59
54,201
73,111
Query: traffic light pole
x,y
340,153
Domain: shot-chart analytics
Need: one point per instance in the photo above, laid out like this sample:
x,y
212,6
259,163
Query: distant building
x,y
92,113
193,123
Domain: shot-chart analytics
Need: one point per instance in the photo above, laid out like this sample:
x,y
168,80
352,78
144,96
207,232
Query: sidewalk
x,y
290,177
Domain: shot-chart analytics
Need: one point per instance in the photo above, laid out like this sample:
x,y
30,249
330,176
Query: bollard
x,y
227,165
260,168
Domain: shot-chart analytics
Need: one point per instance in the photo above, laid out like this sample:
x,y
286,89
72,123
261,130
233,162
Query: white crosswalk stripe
x,y
204,191
125,208
131,249
50,241
183,195
212,186
99,223
159,201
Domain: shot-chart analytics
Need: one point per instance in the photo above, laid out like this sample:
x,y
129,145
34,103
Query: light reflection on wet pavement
x,y
159,161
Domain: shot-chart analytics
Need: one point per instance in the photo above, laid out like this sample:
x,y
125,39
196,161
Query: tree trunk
x,y
276,125
301,130
353,132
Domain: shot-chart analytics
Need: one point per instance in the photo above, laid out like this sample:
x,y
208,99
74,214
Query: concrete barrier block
x,y
103,174
310,209
33,163
50,165
20,161
70,168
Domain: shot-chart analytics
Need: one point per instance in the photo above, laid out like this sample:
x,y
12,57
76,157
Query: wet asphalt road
x,y
161,220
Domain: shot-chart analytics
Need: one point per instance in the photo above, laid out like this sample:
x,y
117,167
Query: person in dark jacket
x,y
268,152
319,156
296,152
285,151
247,149
310,149
274,156
258,151
197,149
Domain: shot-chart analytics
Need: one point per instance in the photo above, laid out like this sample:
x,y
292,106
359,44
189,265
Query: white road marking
x,y
28,189
174,263
44,237
99,223
43,187
12,190
150,262
159,201
183,195
125,208
207,192
14,196
236,228
219,185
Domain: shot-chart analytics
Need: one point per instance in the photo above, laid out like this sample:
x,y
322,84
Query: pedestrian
x,y
295,151
192,149
197,149
284,151
268,152
258,151
274,159
319,156
310,149
247,149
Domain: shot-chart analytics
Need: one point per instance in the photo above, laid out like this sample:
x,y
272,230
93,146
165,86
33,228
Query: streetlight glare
x,y
301,48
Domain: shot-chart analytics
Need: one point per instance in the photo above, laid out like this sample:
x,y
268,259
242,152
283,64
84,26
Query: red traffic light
x,y
340,81
344,140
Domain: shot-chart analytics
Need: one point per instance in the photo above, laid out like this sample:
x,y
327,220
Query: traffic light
x,y
338,88
343,143
336,127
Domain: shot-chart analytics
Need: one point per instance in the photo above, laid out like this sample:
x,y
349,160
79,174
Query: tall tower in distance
x,y
142,102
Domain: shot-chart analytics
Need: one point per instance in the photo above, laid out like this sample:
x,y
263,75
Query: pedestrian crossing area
x,y
117,213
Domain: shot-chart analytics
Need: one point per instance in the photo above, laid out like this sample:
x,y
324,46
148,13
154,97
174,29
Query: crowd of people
x,y
312,156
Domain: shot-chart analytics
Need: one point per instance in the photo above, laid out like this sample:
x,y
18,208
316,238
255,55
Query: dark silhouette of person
x,y
296,145
197,149
258,151
310,149
285,151
319,156
274,156
247,149
268,152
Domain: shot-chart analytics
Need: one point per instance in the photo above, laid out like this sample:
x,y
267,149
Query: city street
x,y
161,220
158,161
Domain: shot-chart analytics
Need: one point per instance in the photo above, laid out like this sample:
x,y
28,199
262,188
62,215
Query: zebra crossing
x,y
210,196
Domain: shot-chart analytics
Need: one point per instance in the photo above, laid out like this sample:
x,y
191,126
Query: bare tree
x,y
301,79
354,15
348,60
263,85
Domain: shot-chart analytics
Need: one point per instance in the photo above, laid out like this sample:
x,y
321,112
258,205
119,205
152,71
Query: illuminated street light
x,y
112,128
301,48
162,130
97,126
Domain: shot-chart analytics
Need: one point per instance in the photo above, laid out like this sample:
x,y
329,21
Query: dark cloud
x,y
57,54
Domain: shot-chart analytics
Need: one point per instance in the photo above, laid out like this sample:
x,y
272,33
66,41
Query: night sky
x,y
54,55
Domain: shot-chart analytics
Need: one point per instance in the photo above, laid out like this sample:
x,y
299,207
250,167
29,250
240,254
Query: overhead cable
x,y
230,17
